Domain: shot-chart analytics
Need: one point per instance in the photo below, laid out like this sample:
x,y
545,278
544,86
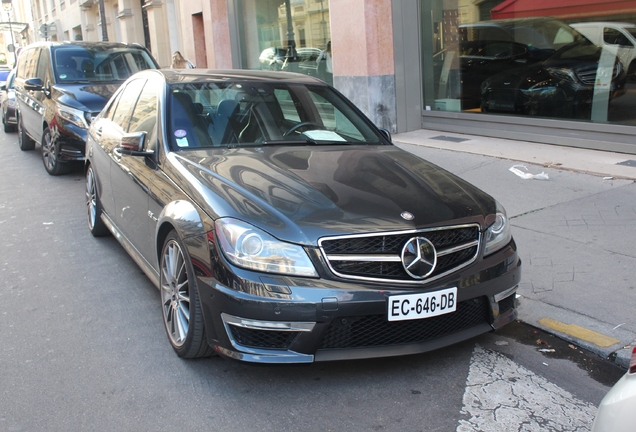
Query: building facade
x,y
517,69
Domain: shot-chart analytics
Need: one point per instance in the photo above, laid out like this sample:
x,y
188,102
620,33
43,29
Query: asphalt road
x,y
82,347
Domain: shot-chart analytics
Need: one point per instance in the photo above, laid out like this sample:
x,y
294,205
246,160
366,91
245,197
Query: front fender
x,y
192,226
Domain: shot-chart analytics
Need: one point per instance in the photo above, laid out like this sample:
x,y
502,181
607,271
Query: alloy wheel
x,y
91,198
48,152
175,293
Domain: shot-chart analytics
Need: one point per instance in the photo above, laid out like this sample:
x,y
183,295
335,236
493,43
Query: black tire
x,y
7,127
96,225
180,306
24,141
50,156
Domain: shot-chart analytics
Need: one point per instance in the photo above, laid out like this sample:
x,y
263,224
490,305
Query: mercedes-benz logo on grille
x,y
419,257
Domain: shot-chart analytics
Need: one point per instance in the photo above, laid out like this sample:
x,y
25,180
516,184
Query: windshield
x,y
211,114
101,63
583,51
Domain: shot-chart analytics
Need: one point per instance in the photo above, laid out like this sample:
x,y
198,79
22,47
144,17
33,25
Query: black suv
x,y
61,86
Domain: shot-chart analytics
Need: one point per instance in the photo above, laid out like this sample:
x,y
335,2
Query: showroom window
x,y
286,35
514,58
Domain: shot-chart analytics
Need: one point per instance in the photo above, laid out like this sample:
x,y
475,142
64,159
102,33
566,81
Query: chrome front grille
x,y
377,257
588,76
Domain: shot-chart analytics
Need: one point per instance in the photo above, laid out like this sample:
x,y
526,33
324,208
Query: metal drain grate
x,y
630,162
449,138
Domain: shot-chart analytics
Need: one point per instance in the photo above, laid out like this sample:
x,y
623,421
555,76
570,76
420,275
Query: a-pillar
x,y
363,60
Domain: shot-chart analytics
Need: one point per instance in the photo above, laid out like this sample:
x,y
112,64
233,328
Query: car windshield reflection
x,y
230,114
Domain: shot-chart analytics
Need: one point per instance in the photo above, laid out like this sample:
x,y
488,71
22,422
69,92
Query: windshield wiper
x,y
289,142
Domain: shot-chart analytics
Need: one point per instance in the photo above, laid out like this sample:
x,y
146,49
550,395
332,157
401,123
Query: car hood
x,y
302,194
85,97
515,78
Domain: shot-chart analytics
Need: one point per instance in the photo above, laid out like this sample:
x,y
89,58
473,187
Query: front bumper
x,y
280,319
69,139
572,100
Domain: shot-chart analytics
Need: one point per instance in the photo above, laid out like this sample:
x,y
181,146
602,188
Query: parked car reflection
x,y
561,86
8,103
305,62
620,38
272,58
487,48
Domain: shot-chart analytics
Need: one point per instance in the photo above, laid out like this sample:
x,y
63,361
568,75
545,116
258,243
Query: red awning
x,y
563,9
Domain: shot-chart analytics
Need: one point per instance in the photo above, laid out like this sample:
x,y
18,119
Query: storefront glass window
x,y
287,35
569,61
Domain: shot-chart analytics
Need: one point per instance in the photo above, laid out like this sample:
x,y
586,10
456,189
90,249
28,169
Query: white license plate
x,y
424,305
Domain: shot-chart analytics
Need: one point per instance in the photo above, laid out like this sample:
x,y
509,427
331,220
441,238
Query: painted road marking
x,y
503,396
579,332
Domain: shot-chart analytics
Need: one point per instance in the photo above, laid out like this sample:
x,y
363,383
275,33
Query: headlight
x,y
497,234
562,73
77,117
247,246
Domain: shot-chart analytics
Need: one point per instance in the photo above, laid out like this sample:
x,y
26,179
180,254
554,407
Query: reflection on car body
x,y
281,226
561,86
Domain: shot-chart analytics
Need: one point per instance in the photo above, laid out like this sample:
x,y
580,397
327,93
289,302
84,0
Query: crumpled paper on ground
x,y
526,175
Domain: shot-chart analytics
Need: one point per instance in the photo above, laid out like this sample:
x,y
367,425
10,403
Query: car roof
x,y
605,24
178,76
509,21
74,44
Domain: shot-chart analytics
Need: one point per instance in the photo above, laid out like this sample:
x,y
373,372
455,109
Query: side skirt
x,y
152,274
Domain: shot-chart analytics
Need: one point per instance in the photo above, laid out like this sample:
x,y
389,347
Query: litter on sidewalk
x,y
526,175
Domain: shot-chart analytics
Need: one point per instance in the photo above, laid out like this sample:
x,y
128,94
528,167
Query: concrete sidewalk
x,y
576,231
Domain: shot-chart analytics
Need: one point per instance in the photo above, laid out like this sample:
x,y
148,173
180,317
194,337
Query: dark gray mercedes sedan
x,y
281,226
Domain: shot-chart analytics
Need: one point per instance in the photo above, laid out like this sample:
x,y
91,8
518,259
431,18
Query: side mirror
x,y
133,144
33,84
386,134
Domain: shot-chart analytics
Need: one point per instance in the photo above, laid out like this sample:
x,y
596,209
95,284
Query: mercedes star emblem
x,y
419,257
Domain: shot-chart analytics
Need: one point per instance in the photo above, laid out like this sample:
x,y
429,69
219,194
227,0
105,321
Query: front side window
x,y
615,37
144,116
27,63
99,63
127,99
232,114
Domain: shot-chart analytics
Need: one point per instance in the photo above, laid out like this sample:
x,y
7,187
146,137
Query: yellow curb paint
x,y
579,332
